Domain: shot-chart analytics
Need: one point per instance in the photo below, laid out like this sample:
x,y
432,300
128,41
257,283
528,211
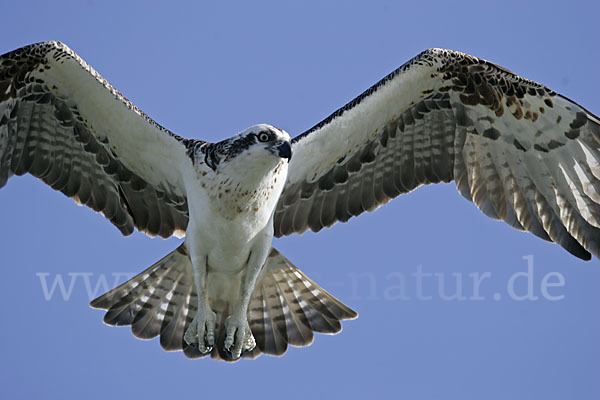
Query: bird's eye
x,y
263,137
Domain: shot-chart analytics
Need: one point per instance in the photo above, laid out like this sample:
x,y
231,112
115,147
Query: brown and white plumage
x,y
63,123
518,150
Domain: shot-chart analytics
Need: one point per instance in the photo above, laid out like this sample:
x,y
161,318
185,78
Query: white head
x,y
263,137
260,146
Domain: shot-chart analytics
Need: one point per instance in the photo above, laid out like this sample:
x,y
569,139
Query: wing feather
x,y
66,125
521,152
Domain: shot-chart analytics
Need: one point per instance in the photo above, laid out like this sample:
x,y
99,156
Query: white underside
x,y
217,229
229,237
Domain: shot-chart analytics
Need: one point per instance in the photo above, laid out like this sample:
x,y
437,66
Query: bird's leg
x,y
239,337
202,328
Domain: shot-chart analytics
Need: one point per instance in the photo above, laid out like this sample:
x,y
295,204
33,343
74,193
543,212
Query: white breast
x,y
230,208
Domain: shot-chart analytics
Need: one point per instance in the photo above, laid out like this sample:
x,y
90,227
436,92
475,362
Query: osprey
x,y
521,152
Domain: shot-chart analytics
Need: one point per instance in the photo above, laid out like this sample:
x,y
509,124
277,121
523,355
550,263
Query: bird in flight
x,y
521,152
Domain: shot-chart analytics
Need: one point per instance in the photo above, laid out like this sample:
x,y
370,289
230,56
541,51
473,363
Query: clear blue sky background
x,y
210,71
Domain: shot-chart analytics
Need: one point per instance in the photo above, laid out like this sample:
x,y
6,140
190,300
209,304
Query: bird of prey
x,y
521,152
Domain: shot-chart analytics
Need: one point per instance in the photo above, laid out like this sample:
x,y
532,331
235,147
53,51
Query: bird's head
x,y
260,147
263,138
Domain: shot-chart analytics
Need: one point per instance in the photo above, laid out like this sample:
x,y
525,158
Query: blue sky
x,y
211,71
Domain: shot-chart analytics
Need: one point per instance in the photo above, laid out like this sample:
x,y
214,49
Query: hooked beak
x,y
284,150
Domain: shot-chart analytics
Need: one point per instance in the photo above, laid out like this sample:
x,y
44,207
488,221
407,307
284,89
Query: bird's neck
x,y
248,189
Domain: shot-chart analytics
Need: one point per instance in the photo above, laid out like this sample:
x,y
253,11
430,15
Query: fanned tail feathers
x,y
285,308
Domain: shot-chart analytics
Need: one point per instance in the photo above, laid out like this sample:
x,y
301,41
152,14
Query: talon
x,y
228,353
239,337
249,343
231,354
191,335
204,349
201,331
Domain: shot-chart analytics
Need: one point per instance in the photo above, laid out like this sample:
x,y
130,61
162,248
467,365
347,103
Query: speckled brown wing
x,y
518,150
63,123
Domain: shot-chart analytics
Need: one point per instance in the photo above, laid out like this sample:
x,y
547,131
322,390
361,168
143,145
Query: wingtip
x,y
102,302
352,315
96,304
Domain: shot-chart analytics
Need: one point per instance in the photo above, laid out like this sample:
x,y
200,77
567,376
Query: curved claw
x,y
228,353
239,338
202,326
208,349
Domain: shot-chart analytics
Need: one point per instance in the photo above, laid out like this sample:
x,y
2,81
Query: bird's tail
x,y
285,308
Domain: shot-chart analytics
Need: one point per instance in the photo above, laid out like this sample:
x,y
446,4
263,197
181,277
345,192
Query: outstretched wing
x,y
518,150
63,123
